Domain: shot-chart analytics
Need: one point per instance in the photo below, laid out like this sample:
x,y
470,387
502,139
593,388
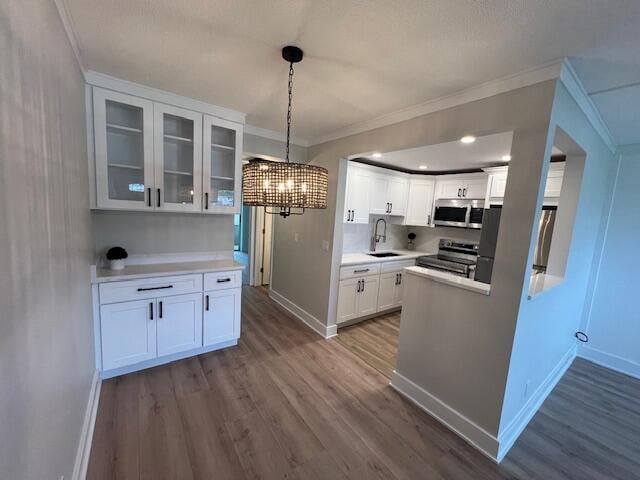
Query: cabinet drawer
x,y
222,280
149,288
353,271
389,267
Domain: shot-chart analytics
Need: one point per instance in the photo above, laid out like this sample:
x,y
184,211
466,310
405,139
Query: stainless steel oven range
x,y
454,256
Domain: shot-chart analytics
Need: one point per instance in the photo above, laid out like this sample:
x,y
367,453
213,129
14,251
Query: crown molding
x,y
273,135
68,29
571,81
547,71
125,86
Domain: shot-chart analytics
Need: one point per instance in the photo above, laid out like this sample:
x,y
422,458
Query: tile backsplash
x,y
356,238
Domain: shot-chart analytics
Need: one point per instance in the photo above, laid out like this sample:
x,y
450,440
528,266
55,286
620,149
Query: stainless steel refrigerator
x,y
488,241
543,242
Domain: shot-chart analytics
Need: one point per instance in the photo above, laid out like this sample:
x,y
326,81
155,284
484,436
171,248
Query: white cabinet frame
x,y
100,98
208,122
159,110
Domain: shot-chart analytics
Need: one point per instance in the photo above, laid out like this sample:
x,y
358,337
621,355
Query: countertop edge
x,y
184,271
448,279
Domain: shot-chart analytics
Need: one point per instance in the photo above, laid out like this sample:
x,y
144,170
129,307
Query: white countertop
x,y
133,272
450,279
362,258
542,282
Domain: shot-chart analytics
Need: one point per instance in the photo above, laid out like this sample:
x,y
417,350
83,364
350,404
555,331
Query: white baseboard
x,y
308,319
86,435
608,360
478,437
510,434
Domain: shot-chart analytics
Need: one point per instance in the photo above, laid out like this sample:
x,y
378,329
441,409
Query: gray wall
x,y
46,352
157,233
470,375
613,321
255,145
547,323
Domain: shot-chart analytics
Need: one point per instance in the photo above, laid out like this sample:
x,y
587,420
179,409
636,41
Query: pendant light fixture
x,y
285,186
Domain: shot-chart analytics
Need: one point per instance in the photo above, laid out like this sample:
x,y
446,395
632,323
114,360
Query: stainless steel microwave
x,y
459,213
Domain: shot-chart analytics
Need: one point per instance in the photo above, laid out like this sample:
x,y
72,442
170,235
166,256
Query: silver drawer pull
x,y
363,270
155,288
223,280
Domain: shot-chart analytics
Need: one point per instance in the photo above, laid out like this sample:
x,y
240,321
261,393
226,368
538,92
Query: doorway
x,y
262,246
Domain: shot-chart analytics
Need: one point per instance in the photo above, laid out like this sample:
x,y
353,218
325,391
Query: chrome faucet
x,y
375,238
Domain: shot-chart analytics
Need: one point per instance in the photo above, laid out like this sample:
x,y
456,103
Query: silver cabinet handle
x,y
464,192
158,197
362,270
206,302
206,200
223,280
399,279
391,208
428,219
363,285
150,310
160,309
459,192
358,287
352,214
149,196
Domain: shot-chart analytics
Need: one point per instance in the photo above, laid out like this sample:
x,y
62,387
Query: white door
x,y
387,291
379,201
222,165
348,299
475,189
179,323
553,187
123,132
399,290
420,203
449,189
358,196
397,193
498,185
368,296
178,159
267,248
128,333
221,321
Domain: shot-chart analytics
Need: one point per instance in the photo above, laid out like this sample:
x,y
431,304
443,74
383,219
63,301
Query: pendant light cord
x,y
289,109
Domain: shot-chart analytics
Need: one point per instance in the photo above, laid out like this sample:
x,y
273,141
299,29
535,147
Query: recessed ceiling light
x,y
506,158
468,139
376,155
423,167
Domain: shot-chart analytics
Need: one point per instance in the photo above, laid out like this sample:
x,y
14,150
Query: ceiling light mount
x,y
292,54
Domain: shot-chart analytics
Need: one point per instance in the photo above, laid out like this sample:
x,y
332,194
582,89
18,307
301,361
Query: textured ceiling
x,y
364,58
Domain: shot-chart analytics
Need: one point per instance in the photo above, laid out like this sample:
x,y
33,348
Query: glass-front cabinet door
x,y
178,159
222,162
123,127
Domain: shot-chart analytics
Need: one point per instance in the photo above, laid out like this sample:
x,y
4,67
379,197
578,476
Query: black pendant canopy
x,y
285,185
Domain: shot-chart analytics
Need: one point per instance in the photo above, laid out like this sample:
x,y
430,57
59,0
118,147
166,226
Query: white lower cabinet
x,y
128,332
221,321
357,297
165,327
179,323
390,293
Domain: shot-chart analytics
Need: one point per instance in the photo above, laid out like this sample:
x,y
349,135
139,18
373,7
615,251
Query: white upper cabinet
x,y
388,195
470,187
153,156
123,129
498,182
178,159
356,205
222,161
420,202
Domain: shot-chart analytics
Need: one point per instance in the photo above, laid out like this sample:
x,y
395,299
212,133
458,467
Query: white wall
x,y
470,374
158,233
46,338
613,320
547,323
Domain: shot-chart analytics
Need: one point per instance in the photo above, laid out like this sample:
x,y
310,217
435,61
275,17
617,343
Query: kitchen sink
x,y
384,254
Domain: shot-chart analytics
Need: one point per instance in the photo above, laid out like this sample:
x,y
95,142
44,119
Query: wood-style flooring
x,y
374,341
286,404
